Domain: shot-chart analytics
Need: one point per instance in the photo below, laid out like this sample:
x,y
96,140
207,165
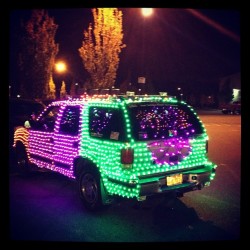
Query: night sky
x,y
174,46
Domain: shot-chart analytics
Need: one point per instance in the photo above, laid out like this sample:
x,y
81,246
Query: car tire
x,y
90,190
22,162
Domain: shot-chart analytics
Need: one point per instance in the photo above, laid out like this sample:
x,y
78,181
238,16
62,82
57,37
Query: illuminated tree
x,y
37,56
63,92
102,45
52,89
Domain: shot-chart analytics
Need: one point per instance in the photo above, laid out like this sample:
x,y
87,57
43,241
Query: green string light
x,y
106,153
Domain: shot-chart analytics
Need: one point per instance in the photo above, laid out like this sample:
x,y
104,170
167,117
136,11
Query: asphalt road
x,y
45,207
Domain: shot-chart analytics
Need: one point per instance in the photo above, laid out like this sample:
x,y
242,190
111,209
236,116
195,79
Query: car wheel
x,y
90,191
22,161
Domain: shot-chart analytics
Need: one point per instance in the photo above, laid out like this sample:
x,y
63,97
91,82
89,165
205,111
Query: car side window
x,y
47,121
106,123
70,121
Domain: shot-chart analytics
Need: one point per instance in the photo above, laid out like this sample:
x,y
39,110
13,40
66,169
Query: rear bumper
x,y
191,180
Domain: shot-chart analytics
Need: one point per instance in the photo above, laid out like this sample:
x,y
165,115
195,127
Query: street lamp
x,y
146,12
60,67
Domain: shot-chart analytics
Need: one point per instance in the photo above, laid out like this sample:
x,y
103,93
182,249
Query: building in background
x,y
230,89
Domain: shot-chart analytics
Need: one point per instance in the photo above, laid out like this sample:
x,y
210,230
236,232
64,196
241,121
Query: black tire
x,y
22,162
89,188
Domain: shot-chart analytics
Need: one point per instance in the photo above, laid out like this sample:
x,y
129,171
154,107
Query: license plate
x,y
174,179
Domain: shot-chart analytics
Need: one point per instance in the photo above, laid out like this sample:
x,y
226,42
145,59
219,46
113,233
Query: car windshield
x,y
154,121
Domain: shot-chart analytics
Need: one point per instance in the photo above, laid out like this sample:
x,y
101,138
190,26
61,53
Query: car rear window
x,y
152,121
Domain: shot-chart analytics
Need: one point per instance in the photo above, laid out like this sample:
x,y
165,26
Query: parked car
x,y
233,108
21,110
119,146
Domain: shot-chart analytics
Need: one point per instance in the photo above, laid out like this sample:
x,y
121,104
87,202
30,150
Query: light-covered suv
x,y
119,146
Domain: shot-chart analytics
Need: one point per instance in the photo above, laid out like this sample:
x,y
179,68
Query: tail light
x,y
127,156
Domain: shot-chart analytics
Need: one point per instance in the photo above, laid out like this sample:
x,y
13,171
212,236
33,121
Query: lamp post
x,y
146,12
59,76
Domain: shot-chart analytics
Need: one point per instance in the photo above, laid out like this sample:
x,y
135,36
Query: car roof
x,y
117,99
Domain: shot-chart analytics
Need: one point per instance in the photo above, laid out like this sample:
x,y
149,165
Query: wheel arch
x,y
80,163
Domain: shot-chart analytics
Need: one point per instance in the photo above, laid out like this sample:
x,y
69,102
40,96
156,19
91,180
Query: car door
x,y
66,140
41,138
